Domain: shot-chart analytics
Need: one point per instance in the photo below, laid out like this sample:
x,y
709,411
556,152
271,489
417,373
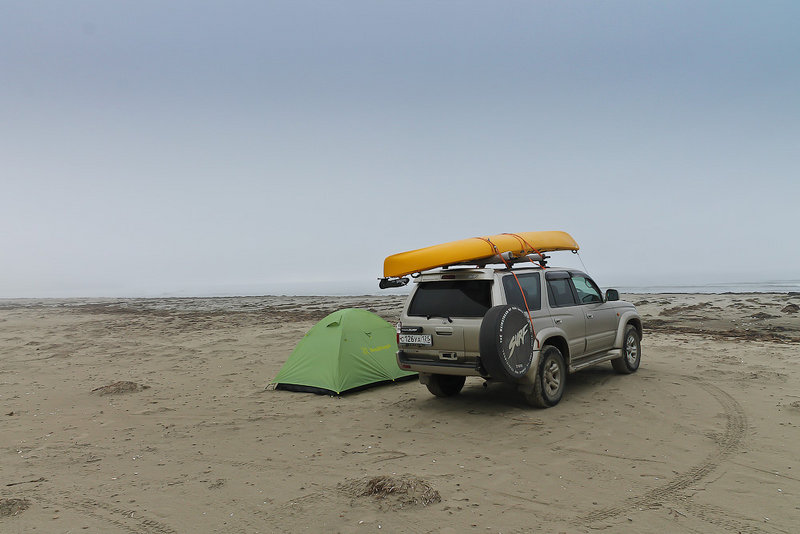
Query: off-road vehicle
x,y
528,326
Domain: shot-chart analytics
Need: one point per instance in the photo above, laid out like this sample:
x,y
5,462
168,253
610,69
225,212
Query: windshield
x,y
456,298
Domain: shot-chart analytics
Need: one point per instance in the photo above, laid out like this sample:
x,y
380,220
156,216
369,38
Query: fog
x,y
248,147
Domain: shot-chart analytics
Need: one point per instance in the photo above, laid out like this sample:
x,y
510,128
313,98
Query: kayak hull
x,y
476,249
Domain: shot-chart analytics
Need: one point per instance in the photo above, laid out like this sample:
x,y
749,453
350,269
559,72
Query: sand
x,y
151,416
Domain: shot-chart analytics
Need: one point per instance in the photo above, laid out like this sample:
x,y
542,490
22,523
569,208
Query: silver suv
x,y
526,326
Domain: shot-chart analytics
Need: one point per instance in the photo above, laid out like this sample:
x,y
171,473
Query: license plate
x,y
416,339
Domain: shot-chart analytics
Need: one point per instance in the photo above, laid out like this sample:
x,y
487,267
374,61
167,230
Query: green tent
x,y
347,350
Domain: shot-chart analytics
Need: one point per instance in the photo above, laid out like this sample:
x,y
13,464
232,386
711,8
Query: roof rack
x,y
509,259
506,258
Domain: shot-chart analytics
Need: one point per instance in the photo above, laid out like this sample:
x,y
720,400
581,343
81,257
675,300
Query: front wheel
x,y
550,379
446,385
631,352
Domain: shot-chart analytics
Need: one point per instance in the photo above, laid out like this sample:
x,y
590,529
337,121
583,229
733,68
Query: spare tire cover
x,y
506,343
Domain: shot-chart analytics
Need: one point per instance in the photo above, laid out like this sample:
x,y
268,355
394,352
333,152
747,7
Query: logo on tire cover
x,y
517,340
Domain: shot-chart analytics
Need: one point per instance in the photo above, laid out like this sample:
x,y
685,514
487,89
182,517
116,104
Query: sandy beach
x,y
703,438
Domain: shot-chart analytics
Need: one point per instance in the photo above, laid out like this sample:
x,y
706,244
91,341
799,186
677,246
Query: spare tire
x,y
506,343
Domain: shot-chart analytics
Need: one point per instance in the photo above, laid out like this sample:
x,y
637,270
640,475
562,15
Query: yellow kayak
x,y
475,249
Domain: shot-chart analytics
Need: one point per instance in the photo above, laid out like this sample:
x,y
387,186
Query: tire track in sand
x,y
725,519
124,519
727,444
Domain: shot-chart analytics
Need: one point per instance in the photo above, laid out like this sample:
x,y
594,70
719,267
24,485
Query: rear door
x,y
566,312
450,311
530,296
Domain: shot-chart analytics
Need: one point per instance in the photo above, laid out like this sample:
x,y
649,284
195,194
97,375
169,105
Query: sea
x,y
363,288
778,286
356,288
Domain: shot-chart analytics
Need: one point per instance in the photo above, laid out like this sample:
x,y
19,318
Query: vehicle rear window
x,y
456,298
530,285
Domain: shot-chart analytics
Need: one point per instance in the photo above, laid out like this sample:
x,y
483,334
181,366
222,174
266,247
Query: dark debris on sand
x,y
9,507
393,491
119,387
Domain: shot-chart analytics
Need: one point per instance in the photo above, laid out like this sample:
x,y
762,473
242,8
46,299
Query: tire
x,y
550,379
506,343
446,385
631,352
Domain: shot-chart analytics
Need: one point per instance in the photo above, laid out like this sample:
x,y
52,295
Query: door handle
x,y
557,321
589,315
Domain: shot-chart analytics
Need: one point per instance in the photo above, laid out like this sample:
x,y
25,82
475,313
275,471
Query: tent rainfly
x,y
348,350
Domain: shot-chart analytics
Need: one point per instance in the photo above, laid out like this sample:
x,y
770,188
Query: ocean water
x,y
769,286
772,286
368,287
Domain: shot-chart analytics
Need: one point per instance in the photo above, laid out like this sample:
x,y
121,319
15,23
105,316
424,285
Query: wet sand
x,y
703,438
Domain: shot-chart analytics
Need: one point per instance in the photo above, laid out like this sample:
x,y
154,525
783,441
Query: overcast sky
x,y
187,147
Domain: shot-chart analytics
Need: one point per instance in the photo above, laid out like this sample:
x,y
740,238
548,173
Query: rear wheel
x,y
550,379
446,385
631,352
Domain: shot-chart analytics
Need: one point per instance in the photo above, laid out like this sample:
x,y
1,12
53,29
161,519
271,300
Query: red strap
x,y
521,292
523,243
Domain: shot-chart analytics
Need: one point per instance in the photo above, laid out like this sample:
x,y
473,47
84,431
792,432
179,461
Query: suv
x,y
477,322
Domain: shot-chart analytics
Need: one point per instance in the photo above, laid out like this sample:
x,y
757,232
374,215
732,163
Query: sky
x,y
155,148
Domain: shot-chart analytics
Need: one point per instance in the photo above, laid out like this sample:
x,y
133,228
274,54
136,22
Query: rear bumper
x,y
408,362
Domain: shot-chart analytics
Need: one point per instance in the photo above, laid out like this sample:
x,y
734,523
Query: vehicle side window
x,y
531,288
560,292
588,292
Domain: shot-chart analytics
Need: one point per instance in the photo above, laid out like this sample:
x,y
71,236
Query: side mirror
x,y
612,295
